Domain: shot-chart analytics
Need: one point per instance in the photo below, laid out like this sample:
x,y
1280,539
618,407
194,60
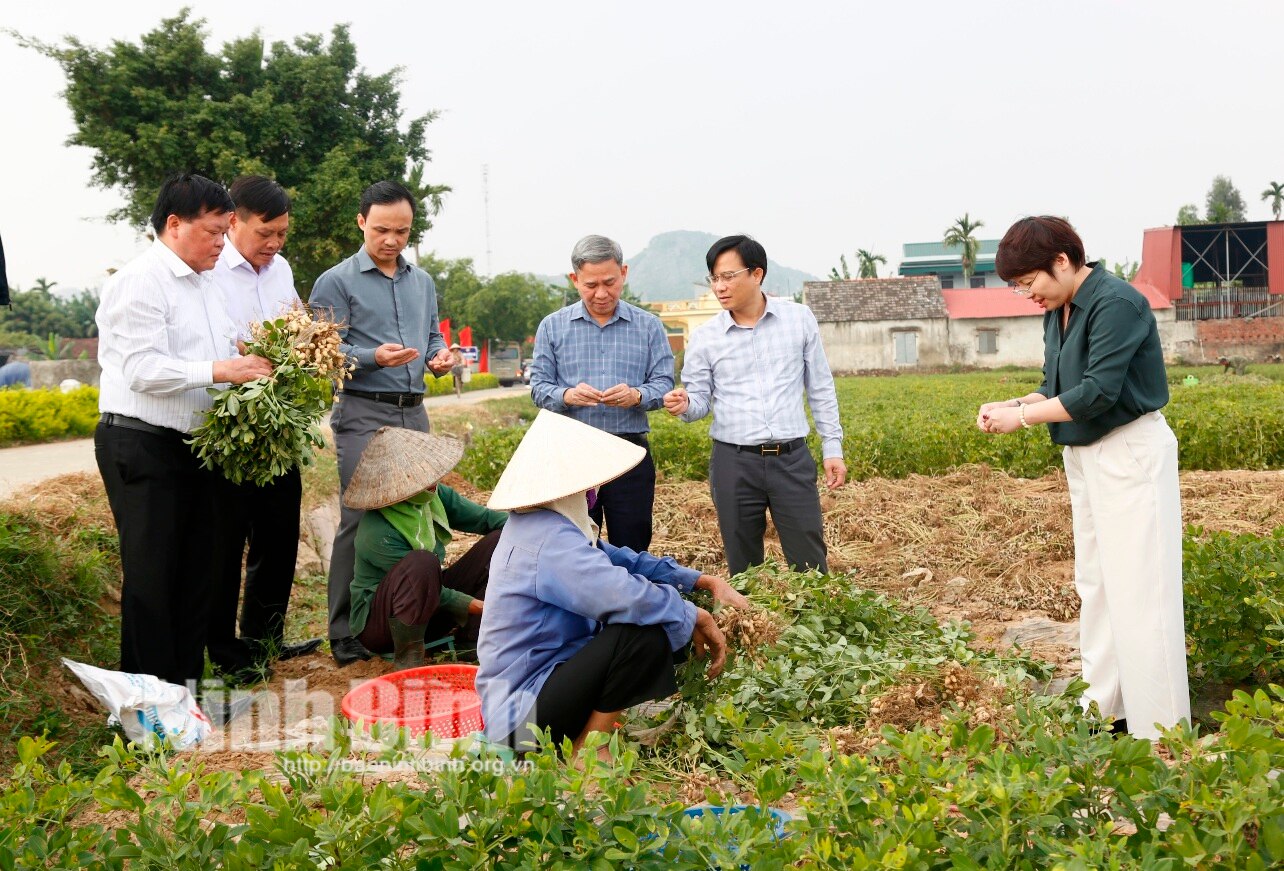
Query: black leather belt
x,y
771,449
401,400
110,419
638,438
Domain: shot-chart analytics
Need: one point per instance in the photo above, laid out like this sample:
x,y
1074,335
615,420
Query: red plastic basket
x,y
441,699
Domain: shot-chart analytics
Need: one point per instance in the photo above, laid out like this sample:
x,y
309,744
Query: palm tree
x,y
845,275
428,196
1275,193
869,263
960,235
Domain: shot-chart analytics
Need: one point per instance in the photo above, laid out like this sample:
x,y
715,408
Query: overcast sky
x,y
817,127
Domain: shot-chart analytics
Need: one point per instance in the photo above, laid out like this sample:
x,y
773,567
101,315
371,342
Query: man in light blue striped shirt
x,y
754,361
607,363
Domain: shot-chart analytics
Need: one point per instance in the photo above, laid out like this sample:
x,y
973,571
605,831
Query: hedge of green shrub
x,y
444,385
29,416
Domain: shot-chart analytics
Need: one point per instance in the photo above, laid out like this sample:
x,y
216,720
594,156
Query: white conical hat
x,y
559,456
398,463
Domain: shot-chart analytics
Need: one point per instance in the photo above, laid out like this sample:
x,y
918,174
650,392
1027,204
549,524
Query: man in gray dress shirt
x,y
388,308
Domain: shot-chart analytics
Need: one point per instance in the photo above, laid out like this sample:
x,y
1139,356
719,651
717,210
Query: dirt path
x,y
23,466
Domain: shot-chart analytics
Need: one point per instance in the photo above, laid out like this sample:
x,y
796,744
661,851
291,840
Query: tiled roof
x,y
875,299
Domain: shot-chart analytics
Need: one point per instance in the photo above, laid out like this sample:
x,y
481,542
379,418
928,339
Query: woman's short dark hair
x,y
1032,244
384,193
261,196
189,196
751,252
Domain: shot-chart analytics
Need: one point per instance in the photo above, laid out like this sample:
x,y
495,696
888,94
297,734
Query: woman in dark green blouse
x,y
402,591
1103,385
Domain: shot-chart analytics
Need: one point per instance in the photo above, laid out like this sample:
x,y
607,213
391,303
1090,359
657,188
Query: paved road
x,y
20,467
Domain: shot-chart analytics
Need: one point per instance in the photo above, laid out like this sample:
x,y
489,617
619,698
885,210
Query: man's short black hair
x,y
383,193
261,196
189,196
751,252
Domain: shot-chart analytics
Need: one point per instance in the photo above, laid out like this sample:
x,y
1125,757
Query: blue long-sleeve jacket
x,y
550,591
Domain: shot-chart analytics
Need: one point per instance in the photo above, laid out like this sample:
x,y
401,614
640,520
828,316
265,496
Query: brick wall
x,y
1254,339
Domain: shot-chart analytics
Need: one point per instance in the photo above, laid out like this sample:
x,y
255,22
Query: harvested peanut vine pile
x,y
1008,539
259,430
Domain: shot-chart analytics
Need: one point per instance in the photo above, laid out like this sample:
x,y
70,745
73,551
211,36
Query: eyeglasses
x,y
1026,290
724,277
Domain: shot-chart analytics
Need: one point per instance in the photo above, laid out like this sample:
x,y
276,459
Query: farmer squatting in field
x,y
575,630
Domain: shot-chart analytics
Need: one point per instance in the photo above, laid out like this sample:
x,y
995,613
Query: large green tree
x,y
962,234
1275,193
38,312
507,307
304,113
456,282
1223,205
510,306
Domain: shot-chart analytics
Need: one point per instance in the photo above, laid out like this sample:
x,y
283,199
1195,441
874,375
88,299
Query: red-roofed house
x,y
889,323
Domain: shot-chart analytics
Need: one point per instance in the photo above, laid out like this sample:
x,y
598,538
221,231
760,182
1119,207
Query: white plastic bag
x,y
147,708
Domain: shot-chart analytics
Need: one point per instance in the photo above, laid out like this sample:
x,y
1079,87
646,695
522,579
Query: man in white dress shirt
x,y
164,336
751,366
257,284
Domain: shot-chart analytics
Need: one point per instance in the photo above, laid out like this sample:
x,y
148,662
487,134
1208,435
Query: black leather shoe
x,y
348,650
299,648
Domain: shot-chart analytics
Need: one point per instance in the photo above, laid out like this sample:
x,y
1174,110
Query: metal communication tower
x,y
486,209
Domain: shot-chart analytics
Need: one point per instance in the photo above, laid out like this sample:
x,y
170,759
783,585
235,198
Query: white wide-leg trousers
x,y
1126,507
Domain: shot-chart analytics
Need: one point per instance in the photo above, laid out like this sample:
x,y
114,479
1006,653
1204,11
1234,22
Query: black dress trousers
x,y
163,504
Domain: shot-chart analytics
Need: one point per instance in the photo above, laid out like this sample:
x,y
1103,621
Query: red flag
x,y
465,336
444,327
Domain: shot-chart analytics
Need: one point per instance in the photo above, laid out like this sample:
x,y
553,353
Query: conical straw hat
x,y
398,463
559,456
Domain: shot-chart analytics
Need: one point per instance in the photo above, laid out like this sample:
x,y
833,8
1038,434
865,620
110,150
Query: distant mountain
x,y
671,266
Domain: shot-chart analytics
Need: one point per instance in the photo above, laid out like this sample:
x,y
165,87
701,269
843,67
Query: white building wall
x,y
857,345
1178,338
1019,341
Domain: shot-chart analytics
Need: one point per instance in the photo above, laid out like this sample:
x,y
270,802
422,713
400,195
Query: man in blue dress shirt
x,y
605,362
751,366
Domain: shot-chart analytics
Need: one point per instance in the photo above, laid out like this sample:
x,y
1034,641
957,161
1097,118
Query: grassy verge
x,y
59,596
